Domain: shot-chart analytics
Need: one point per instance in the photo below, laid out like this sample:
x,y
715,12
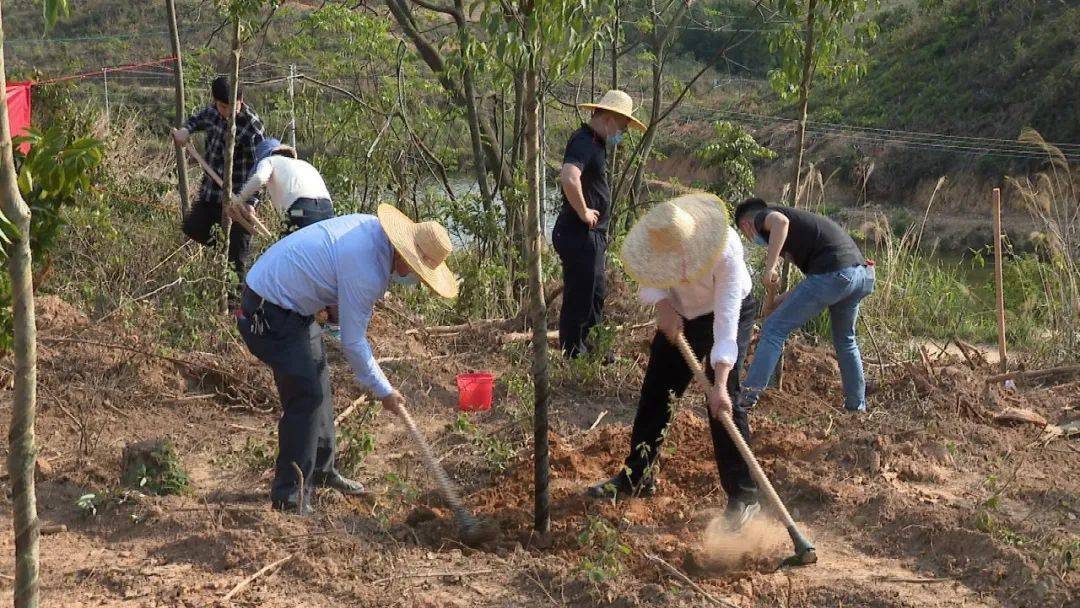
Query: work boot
x,y
293,505
620,486
739,513
336,481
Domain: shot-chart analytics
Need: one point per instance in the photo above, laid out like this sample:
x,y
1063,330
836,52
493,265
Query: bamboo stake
x,y
1003,364
22,444
181,162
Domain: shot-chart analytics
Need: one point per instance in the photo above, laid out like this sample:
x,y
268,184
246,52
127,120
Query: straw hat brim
x,y
700,250
285,148
401,231
637,124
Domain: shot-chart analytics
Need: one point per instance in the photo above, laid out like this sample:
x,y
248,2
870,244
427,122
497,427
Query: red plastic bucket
x,y
474,391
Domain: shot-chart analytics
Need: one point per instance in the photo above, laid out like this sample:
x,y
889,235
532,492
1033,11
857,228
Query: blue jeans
x,y
840,292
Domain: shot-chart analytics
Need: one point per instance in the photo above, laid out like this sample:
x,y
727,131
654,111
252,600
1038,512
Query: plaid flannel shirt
x,y
249,132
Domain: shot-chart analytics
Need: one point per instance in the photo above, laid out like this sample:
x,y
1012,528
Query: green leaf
x,y
53,10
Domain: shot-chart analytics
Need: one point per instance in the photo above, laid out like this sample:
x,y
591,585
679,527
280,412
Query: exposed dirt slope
x,y
925,502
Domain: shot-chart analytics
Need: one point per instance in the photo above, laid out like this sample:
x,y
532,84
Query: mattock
x,y
250,223
473,530
804,549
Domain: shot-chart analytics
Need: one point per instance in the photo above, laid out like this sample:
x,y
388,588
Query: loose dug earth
x,y
925,502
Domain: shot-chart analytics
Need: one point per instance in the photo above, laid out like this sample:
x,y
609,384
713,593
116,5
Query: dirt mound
x,y
54,314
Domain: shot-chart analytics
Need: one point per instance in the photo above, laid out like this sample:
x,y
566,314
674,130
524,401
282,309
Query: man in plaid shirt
x,y
206,212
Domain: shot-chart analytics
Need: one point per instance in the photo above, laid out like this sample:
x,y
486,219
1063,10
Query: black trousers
x,y
583,256
307,211
291,344
199,224
668,373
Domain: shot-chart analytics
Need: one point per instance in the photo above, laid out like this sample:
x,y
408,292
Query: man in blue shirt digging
x,y
349,261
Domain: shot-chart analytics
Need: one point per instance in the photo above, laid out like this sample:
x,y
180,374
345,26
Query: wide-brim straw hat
x,y
424,246
618,102
678,241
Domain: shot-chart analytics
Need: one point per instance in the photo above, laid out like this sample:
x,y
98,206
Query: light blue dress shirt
x,y
345,261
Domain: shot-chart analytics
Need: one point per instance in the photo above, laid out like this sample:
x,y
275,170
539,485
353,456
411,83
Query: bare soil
x,y
926,501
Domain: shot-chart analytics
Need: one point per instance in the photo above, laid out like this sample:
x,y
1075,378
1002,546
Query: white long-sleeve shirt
x,y
720,292
287,179
345,261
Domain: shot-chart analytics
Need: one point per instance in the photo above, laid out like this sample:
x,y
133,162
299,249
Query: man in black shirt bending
x,y
838,277
580,232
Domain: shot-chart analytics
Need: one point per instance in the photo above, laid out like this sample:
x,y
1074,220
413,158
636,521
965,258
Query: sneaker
x,y
620,486
336,481
738,514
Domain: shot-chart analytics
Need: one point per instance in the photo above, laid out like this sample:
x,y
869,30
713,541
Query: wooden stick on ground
x,y
349,410
686,579
247,581
597,421
517,336
430,574
1035,373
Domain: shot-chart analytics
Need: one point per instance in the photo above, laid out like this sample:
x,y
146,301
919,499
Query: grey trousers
x,y
291,344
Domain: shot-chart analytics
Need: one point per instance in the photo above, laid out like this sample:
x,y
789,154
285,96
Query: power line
x,y
973,146
963,139
95,38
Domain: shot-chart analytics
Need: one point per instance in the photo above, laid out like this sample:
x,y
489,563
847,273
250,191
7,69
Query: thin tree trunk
x,y
230,145
804,99
518,147
537,308
615,46
542,103
402,14
800,144
181,160
592,77
479,166
21,441
660,39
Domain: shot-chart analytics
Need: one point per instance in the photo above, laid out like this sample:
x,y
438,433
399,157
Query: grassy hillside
x,y
970,67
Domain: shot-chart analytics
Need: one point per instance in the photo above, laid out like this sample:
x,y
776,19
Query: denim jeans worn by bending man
x,y
841,292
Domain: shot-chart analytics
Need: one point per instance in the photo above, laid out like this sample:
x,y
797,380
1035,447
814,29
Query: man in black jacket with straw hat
x,y
580,232
689,264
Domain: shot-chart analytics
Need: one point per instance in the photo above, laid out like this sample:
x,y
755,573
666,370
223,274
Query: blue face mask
x,y
616,138
760,240
408,280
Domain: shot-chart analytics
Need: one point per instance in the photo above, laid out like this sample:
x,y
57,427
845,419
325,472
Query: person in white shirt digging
x,y
296,188
689,263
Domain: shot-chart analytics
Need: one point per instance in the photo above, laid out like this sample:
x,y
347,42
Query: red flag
x,y
18,106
